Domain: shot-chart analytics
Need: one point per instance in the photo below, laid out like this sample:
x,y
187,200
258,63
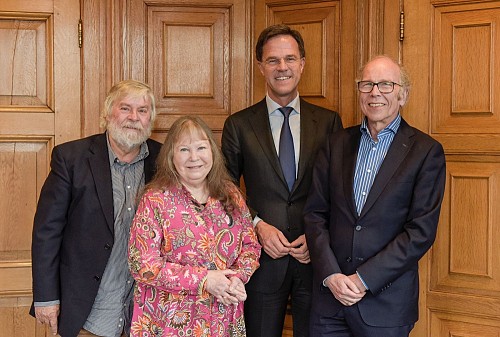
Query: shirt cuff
x,y
256,220
46,304
362,281
324,281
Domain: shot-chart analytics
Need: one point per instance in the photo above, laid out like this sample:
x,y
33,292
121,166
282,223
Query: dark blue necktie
x,y
287,152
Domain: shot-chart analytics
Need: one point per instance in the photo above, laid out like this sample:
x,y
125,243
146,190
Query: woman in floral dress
x,y
192,244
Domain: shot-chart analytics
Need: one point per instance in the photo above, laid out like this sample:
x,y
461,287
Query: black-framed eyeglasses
x,y
385,87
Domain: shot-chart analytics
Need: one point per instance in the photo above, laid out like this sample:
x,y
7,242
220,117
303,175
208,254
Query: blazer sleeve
x,y
231,148
317,218
49,222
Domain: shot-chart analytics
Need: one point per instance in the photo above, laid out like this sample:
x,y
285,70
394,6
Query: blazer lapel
x,y
307,138
101,172
401,145
350,154
259,122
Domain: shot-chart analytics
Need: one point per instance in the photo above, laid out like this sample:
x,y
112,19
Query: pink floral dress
x,y
174,241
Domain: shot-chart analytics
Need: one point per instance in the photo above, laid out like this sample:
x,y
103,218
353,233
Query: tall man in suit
x,y
372,213
81,282
277,180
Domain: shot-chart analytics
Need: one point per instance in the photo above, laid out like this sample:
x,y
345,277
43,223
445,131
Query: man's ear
x,y
403,97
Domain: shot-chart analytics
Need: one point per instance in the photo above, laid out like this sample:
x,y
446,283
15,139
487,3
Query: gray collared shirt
x,y
112,309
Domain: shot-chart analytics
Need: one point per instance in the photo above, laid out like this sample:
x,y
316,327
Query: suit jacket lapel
x,y
308,125
149,164
101,172
350,154
401,144
259,122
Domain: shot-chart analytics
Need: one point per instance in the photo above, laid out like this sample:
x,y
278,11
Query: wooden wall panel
x,y
194,55
443,324
466,69
25,41
466,255
23,168
189,56
319,24
14,320
39,107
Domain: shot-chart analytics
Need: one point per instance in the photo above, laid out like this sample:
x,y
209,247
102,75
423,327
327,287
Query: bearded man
x,y
81,282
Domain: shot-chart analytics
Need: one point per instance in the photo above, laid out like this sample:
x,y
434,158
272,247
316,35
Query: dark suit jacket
x,y
249,149
73,231
397,224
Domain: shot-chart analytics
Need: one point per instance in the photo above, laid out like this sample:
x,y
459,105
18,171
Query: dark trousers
x,y
348,323
265,313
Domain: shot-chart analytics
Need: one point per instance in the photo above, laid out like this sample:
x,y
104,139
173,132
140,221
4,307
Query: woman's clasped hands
x,y
225,287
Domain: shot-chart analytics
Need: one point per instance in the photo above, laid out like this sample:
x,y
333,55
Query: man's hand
x,y
272,240
299,250
344,289
48,315
237,289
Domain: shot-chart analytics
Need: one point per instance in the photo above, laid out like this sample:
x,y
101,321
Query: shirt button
x,y
128,187
363,193
368,170
129,209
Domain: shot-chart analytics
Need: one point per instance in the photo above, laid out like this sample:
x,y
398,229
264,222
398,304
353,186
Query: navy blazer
x,y
397,224
73,231
249,149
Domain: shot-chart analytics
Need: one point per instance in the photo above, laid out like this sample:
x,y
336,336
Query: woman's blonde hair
x,y
219,183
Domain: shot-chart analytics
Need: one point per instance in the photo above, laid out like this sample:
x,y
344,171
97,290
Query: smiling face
x,y
381,109
129,124
192,158
282,78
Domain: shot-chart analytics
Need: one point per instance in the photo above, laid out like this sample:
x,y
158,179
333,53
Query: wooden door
x,y
39,108
332,50
193,54
452,51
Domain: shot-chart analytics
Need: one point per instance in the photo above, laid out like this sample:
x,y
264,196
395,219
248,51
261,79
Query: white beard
x,y
129,135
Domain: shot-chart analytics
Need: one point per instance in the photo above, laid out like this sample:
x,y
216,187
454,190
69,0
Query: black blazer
x,y
397,224
73,229
250,152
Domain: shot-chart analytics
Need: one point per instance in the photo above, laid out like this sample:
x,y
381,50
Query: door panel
x,y
452,51
331,50
39,107
194,56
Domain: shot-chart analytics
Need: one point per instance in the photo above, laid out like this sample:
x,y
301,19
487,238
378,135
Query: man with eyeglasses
x,y
372,213
273,145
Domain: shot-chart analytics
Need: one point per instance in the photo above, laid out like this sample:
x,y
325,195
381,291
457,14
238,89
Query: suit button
x,y
358,228
289,203
360,259
97,278
288,228
107,246
348,259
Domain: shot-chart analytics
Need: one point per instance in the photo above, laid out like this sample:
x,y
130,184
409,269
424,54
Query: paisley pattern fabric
x,y
174,241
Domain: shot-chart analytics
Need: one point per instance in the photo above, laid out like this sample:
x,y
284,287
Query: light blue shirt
x,y
276,119
371,154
